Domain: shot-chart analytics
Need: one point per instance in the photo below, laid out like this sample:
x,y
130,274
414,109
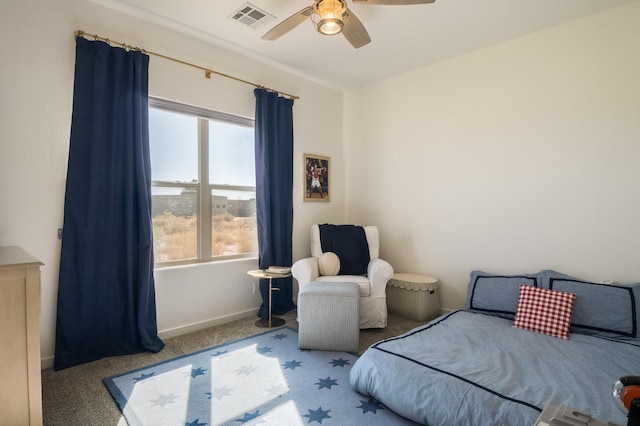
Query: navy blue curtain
x,y
274,194
106,291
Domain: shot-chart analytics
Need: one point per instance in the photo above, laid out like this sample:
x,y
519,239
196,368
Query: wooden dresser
x,y
20,385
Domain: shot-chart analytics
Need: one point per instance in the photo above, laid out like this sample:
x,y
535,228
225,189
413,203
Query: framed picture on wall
x,y
316,178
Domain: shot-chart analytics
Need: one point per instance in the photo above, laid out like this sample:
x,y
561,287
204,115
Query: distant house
x,y
185,205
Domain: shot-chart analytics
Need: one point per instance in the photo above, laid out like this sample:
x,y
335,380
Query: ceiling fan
x,y
331,17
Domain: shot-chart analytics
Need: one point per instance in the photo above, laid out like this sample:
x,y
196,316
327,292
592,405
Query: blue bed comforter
x,y
476,369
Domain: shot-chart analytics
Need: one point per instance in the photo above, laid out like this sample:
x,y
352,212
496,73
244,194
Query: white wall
x,y
37,57
515,158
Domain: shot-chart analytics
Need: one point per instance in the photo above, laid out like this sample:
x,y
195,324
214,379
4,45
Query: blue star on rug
x,y
196,422
143,377
263,350
291,364
326,383
219,393
340,362
317,415
246,370
370,406
277,390
280,336
248,416
195,372
163,400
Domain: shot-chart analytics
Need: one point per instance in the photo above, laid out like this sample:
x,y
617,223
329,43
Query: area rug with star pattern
x,y
259,380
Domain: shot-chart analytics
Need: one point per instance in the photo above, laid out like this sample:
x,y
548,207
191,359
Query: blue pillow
x,y
602,309
497,294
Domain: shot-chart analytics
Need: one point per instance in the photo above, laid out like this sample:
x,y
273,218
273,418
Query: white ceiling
x,y
403,37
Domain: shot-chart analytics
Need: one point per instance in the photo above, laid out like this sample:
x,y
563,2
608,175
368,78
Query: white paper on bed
x,y
476,369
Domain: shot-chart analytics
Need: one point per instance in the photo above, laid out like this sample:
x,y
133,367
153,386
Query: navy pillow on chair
x,y
349,243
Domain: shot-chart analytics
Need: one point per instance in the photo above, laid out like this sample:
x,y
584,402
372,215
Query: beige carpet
x,y
77,396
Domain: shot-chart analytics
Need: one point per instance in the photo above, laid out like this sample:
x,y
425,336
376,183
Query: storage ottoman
x,y
329,316
413,296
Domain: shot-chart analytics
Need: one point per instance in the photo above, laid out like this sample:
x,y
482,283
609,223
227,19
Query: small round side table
x,y
272,321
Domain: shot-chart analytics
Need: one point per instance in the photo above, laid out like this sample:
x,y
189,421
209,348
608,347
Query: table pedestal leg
x,y
271,322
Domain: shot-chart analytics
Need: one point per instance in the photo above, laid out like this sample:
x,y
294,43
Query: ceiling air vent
x,y
252,16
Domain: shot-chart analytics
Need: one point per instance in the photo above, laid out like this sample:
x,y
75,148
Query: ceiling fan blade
x,y
288,24
393,2
355,32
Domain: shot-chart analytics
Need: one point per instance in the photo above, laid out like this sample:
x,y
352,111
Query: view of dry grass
x,y
233,235
175,237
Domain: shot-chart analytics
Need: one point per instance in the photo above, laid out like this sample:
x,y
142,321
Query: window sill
x,y
192,262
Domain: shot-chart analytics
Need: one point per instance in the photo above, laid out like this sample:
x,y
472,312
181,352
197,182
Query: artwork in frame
x,y
316,178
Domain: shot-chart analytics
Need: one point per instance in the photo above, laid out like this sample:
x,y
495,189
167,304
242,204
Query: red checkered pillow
x,y
544,311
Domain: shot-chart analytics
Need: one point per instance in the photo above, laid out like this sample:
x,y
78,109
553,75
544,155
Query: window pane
x,y
231,154
173,140
233,223
174,216
184,224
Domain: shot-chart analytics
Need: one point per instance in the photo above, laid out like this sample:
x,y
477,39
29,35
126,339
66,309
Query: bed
x,y
472,366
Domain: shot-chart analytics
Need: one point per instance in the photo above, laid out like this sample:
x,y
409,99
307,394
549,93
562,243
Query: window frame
x,y
202,187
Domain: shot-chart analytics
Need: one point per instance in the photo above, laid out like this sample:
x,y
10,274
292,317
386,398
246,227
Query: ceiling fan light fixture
x,y
328,16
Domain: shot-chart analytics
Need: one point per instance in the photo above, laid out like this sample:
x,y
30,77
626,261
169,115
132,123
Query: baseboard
x,y
190,328
47,362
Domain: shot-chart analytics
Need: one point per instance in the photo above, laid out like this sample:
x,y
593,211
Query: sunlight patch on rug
x,y
259,380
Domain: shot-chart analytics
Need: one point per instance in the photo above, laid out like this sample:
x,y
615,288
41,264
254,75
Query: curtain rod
x,y
207,71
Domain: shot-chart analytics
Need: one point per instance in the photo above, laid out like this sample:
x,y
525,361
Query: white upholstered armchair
x,y
373,299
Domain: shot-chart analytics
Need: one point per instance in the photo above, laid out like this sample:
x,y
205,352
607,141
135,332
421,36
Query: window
x,y
203,184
